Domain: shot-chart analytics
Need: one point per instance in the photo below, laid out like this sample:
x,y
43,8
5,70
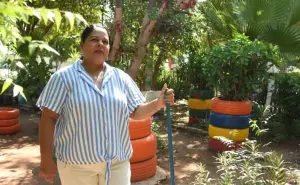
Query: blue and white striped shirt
x,y
93,122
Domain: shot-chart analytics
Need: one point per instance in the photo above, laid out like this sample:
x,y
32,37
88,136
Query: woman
x,y
85,113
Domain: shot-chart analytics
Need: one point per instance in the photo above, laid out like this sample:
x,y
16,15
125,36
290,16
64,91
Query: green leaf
x,y
20,65
6,85
32,47
71,18
17,90
48,48
51,15
37,14
81,19
44,14
57,18
23,95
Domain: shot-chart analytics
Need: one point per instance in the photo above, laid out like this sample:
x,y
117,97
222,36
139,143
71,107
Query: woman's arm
x,y
46,132
148,109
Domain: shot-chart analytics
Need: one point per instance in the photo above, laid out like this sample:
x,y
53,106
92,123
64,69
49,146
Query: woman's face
x,y
96,47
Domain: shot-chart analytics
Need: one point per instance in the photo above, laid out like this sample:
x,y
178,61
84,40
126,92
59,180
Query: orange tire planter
x,y
237,108
143,170
9,122
143,149
10,129
8,113
139,128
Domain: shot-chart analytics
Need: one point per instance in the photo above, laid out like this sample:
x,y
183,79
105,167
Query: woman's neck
x,y
91,68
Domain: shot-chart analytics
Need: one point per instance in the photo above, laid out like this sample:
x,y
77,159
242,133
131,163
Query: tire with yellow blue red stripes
x,y
229,121
199,104
232,134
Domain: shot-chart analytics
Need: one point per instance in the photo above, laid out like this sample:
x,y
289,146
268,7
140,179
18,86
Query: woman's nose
x,y
100,43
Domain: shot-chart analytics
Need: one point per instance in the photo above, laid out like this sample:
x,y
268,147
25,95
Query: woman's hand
x,y
48,169
166,97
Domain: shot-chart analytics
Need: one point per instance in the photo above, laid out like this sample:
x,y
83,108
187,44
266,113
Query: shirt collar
x,y
80,68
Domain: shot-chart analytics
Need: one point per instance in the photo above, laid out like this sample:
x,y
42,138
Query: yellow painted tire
x,y
199,104
233,134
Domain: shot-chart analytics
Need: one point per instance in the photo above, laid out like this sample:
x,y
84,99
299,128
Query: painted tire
x,y
143,149
193,120
238,108
9,113
10,130
199,113
199,104
9,122
232,134
218,146
139,128
202,94
229,121
143,170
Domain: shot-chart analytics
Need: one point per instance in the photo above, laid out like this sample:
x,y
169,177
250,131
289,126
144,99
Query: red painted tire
x,y
9,122
10,130
237,108
218,146
143,170
9,113
143,148
193,120
139,128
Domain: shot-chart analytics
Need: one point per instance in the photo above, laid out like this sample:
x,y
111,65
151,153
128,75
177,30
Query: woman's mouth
x,y
100,51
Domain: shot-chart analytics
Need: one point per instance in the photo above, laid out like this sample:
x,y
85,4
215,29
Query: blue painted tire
x,y
229,121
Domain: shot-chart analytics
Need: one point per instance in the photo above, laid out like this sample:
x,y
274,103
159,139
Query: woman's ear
x,y
81,46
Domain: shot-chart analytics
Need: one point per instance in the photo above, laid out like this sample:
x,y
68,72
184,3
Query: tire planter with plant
x,y
237,68
143,161
9,120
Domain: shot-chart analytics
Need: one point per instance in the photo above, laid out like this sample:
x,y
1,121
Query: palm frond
x,y
287,38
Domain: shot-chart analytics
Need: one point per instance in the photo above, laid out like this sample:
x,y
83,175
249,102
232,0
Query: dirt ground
x,y
19,153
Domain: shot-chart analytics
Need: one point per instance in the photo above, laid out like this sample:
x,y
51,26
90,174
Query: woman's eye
x,y
105,42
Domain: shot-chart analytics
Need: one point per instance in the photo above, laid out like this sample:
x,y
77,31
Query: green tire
x,y
202,94
199,113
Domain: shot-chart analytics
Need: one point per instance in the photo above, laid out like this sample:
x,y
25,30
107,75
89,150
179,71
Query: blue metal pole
x,y
170,144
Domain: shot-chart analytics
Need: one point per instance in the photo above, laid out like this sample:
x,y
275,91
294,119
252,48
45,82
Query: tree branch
x,y
144,38
118,32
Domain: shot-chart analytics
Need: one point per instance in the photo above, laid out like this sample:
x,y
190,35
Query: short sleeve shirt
x,y
93,122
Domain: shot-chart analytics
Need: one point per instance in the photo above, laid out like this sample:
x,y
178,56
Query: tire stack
x,y
199,105
143,161
9,120
229,119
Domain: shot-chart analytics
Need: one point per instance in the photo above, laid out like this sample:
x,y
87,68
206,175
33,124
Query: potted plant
x,y
236,67
201,92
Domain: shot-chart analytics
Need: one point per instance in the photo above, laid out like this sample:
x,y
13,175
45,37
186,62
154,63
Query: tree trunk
x,y
118,32
156,67
149,71
209,40
144,38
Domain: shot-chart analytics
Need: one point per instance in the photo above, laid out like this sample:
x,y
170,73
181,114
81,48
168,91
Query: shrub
x,y
247,166
239,66
286,100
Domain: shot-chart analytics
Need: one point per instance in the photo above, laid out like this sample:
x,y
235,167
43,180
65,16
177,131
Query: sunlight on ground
x,y
16,162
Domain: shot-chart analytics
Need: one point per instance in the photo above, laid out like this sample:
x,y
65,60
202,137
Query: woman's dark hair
x,y
88,30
